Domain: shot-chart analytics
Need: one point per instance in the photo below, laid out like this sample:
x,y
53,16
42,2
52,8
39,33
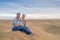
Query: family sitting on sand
x,y
19,24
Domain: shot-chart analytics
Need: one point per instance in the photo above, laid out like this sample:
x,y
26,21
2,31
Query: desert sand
x,y
43,30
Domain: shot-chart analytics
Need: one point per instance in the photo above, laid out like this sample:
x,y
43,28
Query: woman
x,y
22,20
23,25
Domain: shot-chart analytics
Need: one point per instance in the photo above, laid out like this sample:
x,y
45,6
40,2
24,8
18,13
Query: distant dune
x,y
43,29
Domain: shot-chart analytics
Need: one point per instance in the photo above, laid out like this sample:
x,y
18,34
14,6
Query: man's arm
x,y
15,23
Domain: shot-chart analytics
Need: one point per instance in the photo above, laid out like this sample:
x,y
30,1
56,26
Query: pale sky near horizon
x,y
34,9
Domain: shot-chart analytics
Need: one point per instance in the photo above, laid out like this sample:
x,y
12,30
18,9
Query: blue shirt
x,y
15,21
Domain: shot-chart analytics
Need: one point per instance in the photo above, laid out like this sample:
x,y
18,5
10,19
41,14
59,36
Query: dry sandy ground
x,y
43,30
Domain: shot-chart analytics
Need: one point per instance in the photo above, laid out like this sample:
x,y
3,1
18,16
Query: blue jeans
x,y
21,28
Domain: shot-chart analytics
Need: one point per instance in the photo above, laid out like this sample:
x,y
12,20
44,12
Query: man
x,y
17,25
16,21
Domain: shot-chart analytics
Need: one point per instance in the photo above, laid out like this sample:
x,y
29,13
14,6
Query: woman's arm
x,y
25,22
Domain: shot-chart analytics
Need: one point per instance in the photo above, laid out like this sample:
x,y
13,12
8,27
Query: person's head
x,y
23,16
18,15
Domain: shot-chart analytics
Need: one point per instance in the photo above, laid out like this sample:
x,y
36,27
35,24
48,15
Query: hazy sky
x,y
39,9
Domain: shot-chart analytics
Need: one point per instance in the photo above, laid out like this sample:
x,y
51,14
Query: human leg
x,y
27,30
14,28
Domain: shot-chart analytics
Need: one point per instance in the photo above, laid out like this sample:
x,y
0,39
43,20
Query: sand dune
x,y
43,29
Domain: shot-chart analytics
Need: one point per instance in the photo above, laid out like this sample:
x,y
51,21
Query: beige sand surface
x,y
43,29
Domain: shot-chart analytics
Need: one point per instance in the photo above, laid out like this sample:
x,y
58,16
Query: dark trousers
x,y
22,28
